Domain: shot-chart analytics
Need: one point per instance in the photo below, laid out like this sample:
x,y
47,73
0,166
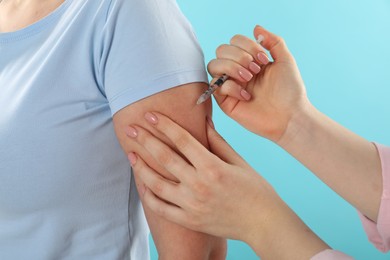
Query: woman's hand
x,y
263,101
212,195
218,193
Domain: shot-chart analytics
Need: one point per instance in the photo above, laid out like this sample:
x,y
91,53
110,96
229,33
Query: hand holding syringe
x,y
218,83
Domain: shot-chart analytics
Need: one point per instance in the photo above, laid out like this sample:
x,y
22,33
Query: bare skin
x,y
172,241
226,197
280,111
218,193
18,14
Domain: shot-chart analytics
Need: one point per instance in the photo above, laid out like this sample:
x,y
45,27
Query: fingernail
x,y
132,158
131,132
254,67
245,94
260,39
151,118
245,74
263,58
210,122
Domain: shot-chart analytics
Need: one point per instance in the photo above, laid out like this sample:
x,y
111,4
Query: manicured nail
x,y
254,67
245,74
260,38
245,94
132,158
263,58
151,118
210,122
131,132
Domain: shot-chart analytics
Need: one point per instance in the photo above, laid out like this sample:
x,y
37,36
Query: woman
x,y
225,197
72,74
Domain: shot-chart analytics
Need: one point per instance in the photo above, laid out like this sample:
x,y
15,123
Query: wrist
x,y
301,123
281,126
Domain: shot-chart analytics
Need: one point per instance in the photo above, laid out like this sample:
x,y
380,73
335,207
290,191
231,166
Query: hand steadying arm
x,y
218,193
172,241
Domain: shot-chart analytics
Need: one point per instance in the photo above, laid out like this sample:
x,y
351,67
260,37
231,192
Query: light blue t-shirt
x,y
66,190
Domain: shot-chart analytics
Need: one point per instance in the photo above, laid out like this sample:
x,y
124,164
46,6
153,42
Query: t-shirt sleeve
x,y
379,233
148,46
329,254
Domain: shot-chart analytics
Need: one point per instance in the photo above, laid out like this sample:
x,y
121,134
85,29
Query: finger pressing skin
x,y
250,46
141,151
236,54
191,148
164,209
218,67
160,186
161,152
133,158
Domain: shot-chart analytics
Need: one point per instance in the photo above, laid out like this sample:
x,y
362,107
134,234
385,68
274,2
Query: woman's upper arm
x,y
179,103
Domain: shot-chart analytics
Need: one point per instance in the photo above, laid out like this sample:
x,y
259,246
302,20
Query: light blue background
x,y
342,49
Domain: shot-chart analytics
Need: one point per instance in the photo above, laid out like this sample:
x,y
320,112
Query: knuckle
x,y
164,157
201,190
160,211
210,66
215,174
158,187
244,59
153,205
280,40
181,141
236,38
220,50
230,69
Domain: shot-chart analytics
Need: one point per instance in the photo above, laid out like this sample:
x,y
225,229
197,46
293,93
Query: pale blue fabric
x,y
66,190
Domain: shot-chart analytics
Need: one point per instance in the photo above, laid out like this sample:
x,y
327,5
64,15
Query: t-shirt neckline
x,y
35,27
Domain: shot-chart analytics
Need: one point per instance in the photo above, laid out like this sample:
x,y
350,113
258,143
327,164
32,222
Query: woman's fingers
x,y
161,152
233,89
240,61
164,209
160,186
191,148
237,54
233,69
161,196
251,47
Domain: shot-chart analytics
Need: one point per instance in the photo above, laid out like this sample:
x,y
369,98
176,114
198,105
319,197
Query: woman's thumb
x,y
220,147
274,44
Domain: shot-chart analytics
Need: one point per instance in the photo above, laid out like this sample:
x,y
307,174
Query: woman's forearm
x,y
285,236
346,162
